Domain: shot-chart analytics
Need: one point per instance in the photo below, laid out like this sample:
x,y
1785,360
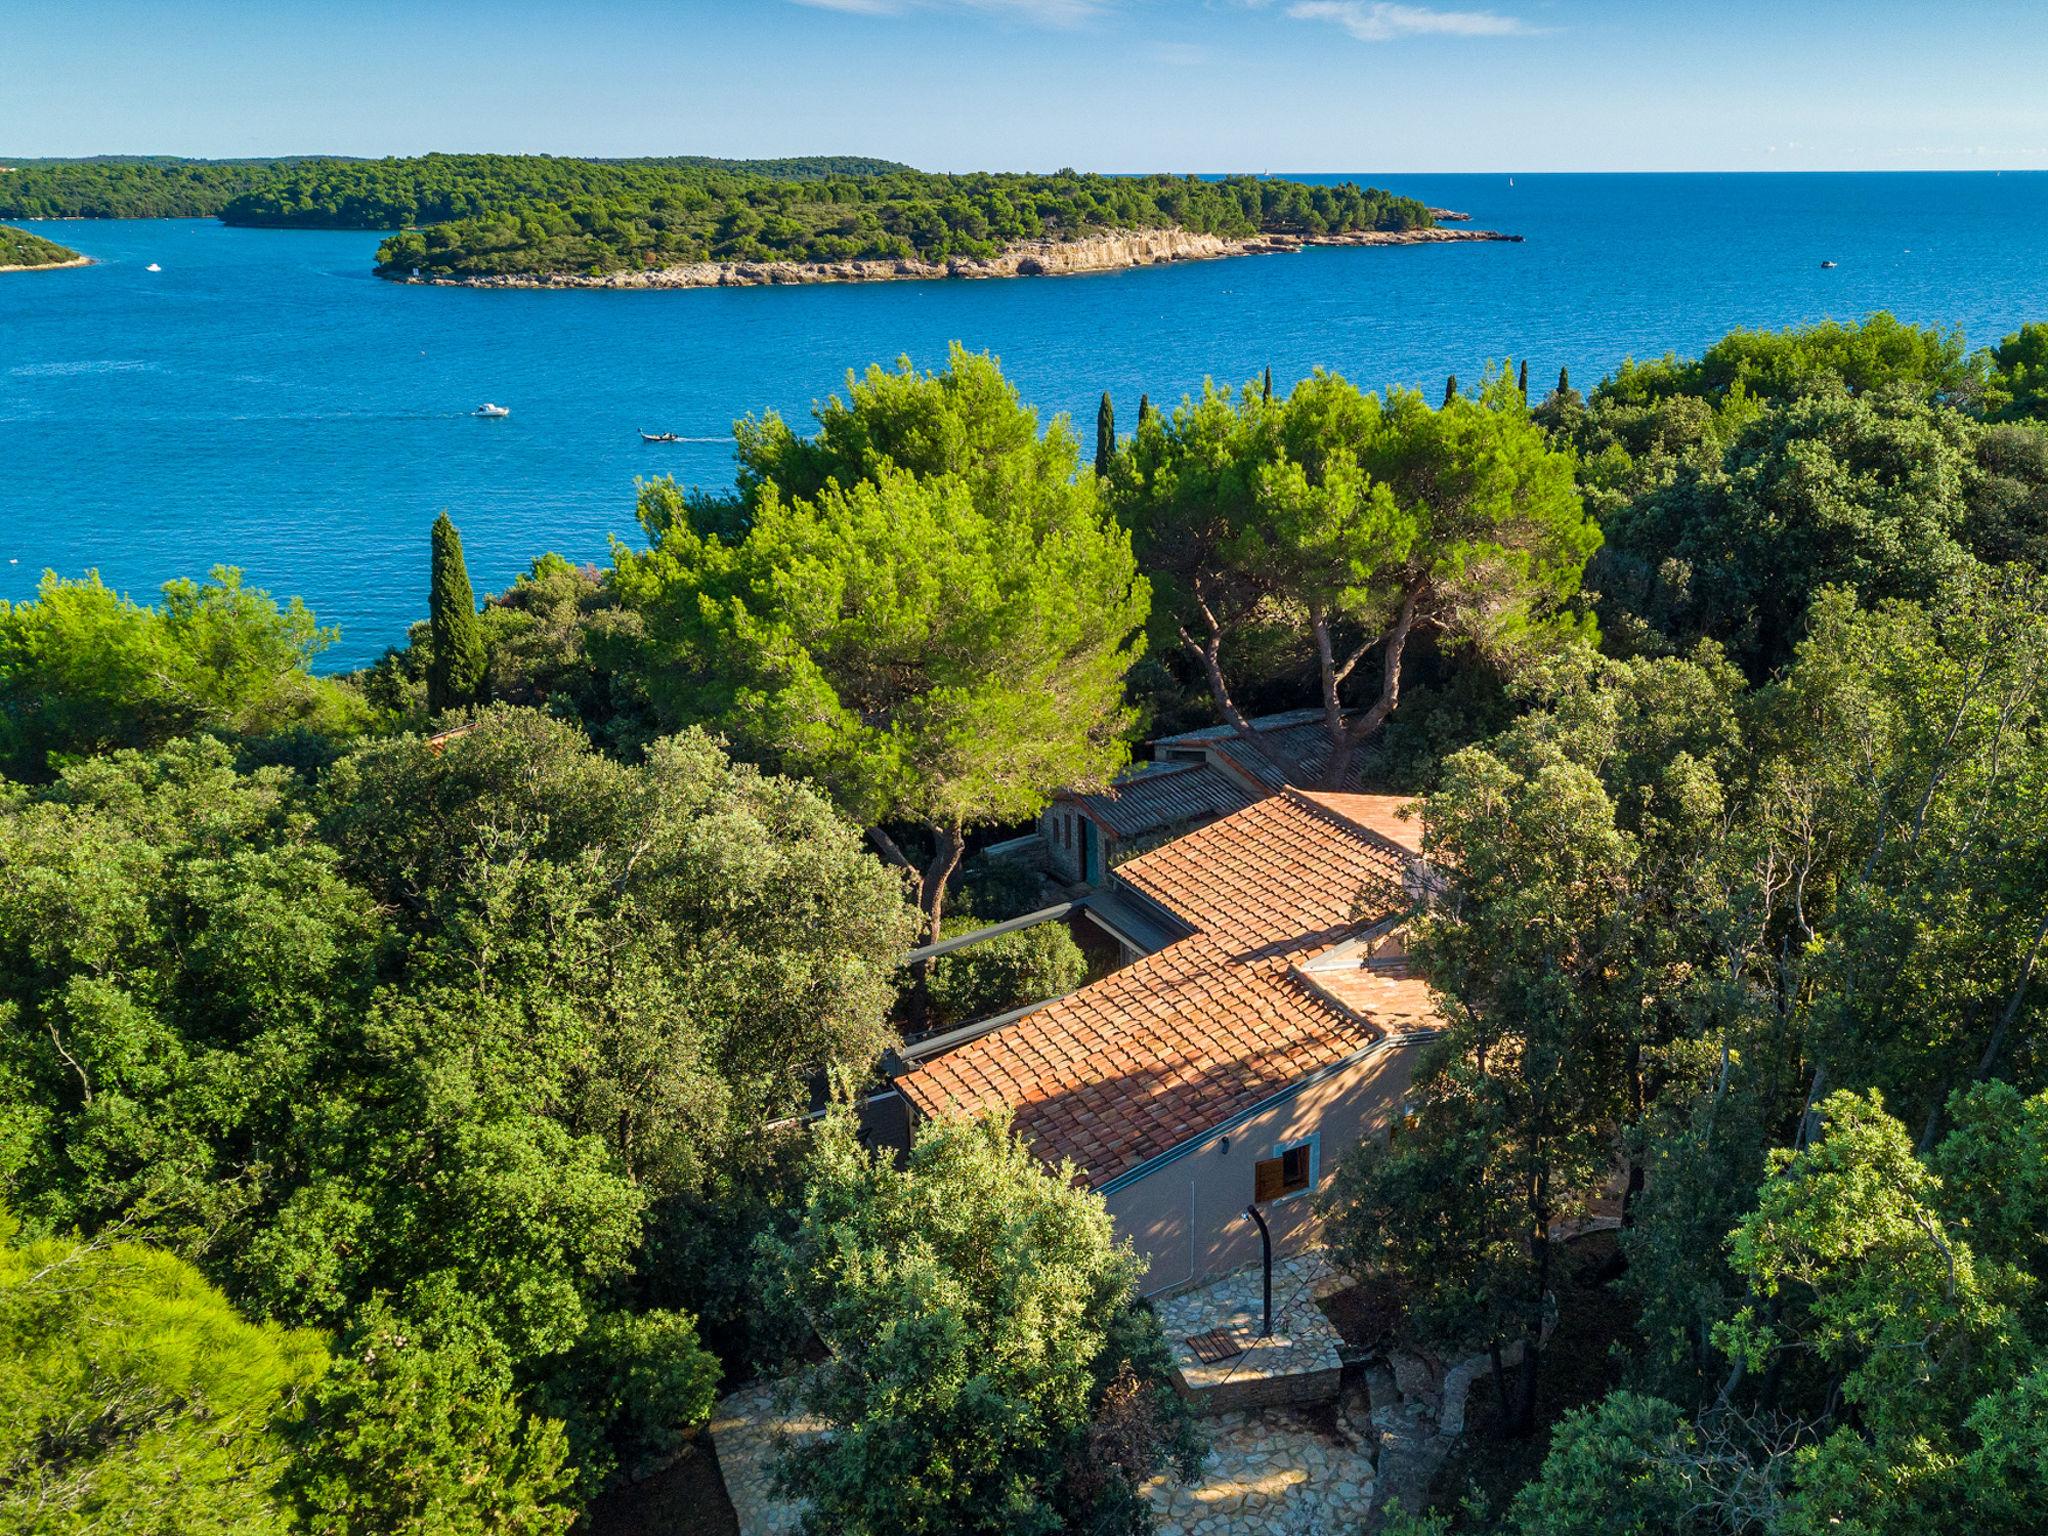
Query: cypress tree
x,y
1269,381
1523,385
455,664
1144,409
1450,389
1564,380
1105,437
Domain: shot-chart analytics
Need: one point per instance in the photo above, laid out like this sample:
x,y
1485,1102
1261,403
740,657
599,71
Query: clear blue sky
x,y
1036,84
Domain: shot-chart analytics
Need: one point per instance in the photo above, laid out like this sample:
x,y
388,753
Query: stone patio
x,y
1275,1472
1298,1364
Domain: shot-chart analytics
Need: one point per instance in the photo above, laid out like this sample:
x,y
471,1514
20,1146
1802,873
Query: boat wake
x,y
70,370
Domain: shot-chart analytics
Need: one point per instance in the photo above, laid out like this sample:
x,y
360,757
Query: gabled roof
x,y
1157,795
1186,1038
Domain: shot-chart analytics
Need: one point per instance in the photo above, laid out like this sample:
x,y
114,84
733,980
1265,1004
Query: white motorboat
x,y
152,267
488,409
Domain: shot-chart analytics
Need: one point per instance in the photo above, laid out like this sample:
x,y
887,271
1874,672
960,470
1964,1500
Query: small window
x,y
1290,1173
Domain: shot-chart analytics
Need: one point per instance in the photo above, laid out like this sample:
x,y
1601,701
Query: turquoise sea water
x,y
264,401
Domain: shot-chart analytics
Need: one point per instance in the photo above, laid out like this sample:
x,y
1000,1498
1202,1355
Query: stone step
x,y
1379,1384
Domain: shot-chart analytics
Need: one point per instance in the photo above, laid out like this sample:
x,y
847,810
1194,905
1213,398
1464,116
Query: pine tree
x,y
1105,437
1005,594
455,666
1523,383
132,1384
1450,389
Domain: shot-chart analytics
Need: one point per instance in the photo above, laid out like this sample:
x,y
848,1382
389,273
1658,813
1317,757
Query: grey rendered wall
x,y
1187,1218
1058,824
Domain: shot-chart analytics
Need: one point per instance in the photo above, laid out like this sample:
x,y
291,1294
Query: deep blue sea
x,y
263,401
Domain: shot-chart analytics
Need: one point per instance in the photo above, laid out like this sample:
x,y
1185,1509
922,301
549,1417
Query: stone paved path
x,y
1410,1448
749,1433
1276,1472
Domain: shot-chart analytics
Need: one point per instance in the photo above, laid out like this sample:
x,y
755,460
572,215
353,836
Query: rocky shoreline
x,y
1108,252
48,266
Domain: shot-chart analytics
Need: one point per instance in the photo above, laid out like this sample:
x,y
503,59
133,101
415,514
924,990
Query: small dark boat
x,y
659,437
1827,266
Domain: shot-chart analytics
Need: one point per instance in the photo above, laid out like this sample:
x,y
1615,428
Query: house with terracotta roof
x,y
1273,1027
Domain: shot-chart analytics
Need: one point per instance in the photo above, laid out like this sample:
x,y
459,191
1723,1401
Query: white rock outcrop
x,y
1110,251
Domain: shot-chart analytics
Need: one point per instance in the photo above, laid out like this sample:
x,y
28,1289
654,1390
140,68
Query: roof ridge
x,y
1150,766
1305,979
1226,730
1310,799
1372,834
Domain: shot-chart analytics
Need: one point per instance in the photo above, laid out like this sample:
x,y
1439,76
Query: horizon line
x,y
1268,174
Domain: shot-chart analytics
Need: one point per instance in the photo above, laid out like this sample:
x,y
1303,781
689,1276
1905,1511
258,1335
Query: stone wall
x,y
1244,1394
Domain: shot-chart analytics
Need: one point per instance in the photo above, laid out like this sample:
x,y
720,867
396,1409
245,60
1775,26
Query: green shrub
x,y
416,1432
1005,972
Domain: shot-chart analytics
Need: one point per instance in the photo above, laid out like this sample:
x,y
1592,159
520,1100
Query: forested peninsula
x,y
21,251
539,220
934,222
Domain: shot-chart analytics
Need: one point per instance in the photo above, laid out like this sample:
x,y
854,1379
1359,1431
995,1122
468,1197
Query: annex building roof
x,y
1260,994
1282,749
1161,794
1201,775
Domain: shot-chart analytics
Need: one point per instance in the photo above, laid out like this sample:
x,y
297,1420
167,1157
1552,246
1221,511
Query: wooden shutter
x,y
1270,1182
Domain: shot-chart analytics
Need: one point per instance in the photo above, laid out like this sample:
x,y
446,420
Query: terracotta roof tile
x,y
1183,1039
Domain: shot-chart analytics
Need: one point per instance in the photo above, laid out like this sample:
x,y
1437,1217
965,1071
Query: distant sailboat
x,y
1511,181
152,267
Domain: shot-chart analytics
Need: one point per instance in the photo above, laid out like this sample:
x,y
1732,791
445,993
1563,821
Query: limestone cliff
x,y
1110,251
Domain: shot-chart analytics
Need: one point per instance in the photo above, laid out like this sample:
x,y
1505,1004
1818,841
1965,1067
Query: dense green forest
x,y
337,192
437,189
478,215
125,188
19,248
397,1071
